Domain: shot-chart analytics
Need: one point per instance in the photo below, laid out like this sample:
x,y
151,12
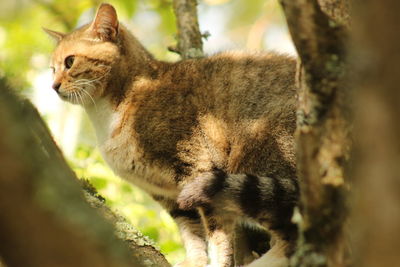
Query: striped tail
x,y
252,194
266,200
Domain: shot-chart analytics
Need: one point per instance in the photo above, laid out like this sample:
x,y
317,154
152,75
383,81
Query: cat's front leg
x,y
192,233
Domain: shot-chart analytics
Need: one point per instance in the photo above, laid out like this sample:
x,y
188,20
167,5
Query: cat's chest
x,y
118,145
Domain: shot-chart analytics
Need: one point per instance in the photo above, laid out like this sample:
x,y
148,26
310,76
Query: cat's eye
x,y
69,61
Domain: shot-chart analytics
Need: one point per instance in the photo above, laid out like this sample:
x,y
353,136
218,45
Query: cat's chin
x,y
71,100
76,99
68,98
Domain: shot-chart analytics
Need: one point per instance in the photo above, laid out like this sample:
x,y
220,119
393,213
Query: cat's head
x,y
83,59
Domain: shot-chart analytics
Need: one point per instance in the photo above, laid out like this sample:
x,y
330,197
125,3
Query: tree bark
x,y
322,129
376,212
190,44
44,218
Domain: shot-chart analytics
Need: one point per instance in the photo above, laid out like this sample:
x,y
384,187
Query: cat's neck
x,y
135,61
103,117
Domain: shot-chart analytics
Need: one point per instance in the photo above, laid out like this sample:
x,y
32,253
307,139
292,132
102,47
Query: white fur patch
x,y
121,152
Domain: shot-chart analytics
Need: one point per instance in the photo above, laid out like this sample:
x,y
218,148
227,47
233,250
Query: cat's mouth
x,y
69,97
65,95
79,97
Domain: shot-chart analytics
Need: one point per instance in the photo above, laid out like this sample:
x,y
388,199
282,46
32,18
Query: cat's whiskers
x,y
75,90
91,81
75,99
85,91
88,84
80,96
72,93
91,98
79,84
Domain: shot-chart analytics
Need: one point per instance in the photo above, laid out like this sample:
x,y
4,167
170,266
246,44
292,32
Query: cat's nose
x,y
56,86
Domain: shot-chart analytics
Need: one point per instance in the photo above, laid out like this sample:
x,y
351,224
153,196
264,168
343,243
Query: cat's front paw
x,y
192,263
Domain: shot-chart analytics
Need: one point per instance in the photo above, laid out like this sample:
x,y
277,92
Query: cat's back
x,y
251,114
234,84
248,85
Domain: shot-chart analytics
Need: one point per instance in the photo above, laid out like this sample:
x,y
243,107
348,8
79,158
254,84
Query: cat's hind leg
x,y
268,201
220,235
191,230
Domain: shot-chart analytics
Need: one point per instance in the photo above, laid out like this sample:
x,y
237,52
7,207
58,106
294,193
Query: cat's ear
x,y
105,24
57,36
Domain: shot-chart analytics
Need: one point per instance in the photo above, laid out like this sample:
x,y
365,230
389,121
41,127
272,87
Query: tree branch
x,y
44,218
189,37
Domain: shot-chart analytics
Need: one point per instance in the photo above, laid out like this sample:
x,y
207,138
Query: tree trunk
x,y
376,220
44,218
322,130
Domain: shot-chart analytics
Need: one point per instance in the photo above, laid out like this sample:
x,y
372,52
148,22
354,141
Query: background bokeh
x,y
25,49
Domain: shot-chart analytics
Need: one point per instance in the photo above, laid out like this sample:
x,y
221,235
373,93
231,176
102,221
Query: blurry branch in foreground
x,y
45,220
376,211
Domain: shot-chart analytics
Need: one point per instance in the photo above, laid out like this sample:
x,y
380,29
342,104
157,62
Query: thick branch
x,y
44,219
190,44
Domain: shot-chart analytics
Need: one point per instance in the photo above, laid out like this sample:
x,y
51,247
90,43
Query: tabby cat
x,y
210,139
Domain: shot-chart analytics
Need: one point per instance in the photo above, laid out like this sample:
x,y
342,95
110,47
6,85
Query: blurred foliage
x,y
24,58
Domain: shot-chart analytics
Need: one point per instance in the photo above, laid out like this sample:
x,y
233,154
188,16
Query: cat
x,y
210,139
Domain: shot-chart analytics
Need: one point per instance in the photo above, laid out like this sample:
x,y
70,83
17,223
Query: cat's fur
x,y
211,139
